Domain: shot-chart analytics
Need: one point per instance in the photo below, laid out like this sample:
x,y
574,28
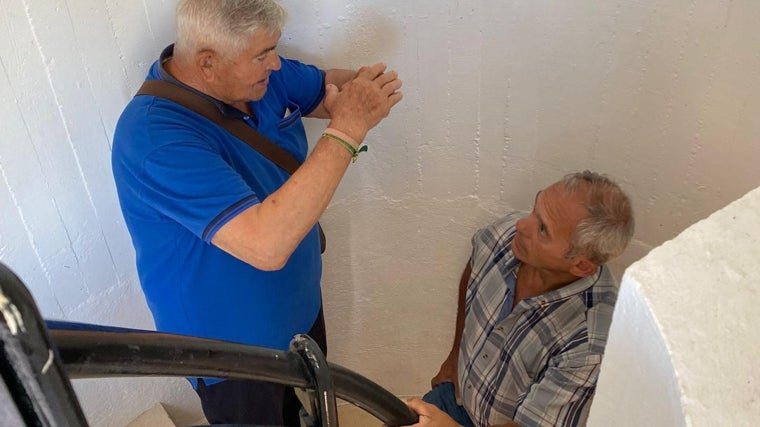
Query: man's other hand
x,y
430,415
363,101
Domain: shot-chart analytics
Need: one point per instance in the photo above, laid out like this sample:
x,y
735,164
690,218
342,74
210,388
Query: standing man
x,y
535,305
227,243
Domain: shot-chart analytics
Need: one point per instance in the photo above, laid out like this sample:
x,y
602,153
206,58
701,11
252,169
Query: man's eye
x,y
542,228
263,56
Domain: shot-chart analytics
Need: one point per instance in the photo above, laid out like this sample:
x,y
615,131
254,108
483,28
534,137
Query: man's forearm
x,y
459,327
267,233
337,77
281,221
448,369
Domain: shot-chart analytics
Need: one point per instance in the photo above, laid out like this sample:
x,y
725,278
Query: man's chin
x,y
258,92
257,96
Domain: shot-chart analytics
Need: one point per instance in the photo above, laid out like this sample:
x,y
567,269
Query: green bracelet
x,y
354,152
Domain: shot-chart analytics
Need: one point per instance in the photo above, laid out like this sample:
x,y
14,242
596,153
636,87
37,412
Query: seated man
x,y
535,305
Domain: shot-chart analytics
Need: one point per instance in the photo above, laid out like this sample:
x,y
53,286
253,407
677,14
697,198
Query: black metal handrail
x,y
111,352
58,351
35,378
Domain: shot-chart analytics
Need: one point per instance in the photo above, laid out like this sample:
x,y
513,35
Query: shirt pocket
x,y
576,358
291,132
291,115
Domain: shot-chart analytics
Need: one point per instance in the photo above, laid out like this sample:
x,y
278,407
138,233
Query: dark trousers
x,y
442,396
256,402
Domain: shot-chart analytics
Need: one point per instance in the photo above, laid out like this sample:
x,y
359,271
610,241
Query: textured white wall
x,y
684,339
67,69
501,98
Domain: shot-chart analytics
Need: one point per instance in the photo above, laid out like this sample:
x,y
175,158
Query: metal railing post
x,y
324,394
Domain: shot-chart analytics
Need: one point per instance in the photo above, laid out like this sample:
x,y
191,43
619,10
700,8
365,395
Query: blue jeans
x,y
442,396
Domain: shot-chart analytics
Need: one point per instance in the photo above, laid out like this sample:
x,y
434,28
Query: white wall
x,y
684,339
501,98
67,69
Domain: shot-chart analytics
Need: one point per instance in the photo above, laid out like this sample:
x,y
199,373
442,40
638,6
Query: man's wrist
x,y
353,132
342,136
346,141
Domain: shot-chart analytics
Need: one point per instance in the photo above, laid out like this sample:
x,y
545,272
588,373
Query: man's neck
x,y
532,281
183,74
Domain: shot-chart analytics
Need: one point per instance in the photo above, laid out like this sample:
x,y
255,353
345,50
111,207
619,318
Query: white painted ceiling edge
x,y
684,340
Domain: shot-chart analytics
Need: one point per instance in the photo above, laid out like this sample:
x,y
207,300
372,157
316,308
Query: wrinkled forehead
x,y
560,208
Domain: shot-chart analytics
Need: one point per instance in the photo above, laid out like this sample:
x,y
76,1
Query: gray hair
x,y
223,26
608,229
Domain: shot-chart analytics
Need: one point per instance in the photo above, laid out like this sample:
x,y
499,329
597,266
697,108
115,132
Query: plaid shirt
x,y
538,363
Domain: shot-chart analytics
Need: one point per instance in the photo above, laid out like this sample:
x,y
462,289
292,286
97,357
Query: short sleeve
x,y
563,394
492,240
192,184
305,84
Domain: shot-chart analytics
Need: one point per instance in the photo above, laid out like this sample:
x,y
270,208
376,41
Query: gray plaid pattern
x,y
539,365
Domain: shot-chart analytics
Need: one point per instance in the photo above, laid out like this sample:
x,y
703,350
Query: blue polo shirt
x,y
180,178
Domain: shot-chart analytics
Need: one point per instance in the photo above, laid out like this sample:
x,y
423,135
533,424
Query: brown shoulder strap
x,y
237,128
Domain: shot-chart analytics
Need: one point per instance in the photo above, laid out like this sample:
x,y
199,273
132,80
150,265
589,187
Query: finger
x,y
417,405
436,380
395,97
385,78
331,89
371,72
392,86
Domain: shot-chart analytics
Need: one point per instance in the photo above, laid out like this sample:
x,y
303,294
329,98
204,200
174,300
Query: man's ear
x,y
207,62
582,267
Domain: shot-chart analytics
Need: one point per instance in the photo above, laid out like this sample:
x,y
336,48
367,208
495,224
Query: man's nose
x,y
525,227
274,63
521,225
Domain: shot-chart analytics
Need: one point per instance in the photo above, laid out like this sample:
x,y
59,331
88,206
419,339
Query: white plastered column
x,y
684,343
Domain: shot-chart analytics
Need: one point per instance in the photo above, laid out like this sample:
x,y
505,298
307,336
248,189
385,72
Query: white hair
x,y
223,26
608,229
